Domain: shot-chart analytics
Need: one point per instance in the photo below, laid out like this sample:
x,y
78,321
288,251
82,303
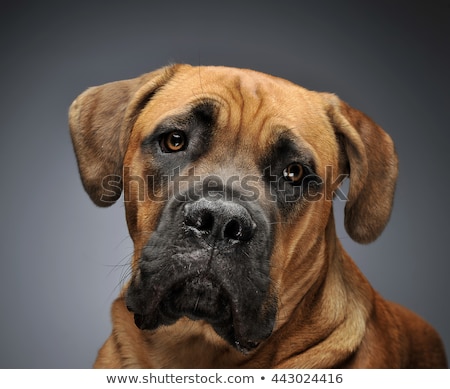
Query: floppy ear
x,y
100,122
369,157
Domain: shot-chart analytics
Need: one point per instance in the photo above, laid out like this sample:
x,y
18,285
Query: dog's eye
x,y
173,141
294,173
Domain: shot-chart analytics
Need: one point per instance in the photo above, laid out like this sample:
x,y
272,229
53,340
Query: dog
x,y
228,178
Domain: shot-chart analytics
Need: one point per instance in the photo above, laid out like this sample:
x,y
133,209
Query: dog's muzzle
x,y
208,260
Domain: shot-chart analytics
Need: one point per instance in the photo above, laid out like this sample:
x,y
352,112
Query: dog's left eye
x,y
173,141
294,173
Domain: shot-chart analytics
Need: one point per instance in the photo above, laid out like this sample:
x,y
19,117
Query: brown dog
x,y
228,178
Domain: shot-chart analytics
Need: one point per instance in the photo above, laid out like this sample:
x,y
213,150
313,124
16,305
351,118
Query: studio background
x,y
63,260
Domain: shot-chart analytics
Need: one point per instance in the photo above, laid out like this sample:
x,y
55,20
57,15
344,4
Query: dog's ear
x,y
368,156
100,122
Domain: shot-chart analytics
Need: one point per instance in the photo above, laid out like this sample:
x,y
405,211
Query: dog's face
x,y
228,178
218,184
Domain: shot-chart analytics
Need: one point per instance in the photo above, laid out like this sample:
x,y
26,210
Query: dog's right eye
x,y
173,141
294,173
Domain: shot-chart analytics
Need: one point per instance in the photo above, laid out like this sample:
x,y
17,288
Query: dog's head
x,y
228,178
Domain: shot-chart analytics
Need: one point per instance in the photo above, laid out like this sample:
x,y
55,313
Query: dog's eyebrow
x,y
203,113
287,146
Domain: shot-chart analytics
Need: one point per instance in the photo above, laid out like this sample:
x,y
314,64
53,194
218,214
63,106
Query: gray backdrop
x,y
63,260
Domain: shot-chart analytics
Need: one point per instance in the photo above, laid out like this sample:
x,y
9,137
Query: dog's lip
x,y
204,298
157,313
163,301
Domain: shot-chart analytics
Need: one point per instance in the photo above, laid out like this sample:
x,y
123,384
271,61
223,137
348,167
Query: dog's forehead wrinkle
x,y
244,95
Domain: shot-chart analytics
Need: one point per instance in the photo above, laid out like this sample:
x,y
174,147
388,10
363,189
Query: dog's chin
x,y
198,299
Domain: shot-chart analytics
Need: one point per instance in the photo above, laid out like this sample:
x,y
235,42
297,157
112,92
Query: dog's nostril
x,y
223,220
201,220
238,230
205,222
233,230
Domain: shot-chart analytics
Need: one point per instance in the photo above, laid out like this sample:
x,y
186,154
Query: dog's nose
x,y
221,219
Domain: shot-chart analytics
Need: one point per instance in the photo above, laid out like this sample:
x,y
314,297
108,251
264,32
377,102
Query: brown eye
x,y
293,173
173,141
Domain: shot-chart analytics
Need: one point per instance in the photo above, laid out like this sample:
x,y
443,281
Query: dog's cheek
x,y
141,188
131,214
142,220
